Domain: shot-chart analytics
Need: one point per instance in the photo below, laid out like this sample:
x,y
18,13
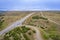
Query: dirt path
x,y
19,23
49,19
15,24
38,34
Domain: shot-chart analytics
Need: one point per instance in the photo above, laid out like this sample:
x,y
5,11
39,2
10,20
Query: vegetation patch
x,y
18,33
52,33
8,17
1,22
37,17
43,18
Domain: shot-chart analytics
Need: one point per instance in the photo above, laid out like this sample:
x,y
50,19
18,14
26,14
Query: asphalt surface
x,y
19,23
15,24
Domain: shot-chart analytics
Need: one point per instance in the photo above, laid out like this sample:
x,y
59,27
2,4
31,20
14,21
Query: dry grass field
x,y
10,17
50,29
40,21
55,16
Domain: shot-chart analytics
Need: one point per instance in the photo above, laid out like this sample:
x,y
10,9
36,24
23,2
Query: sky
x,y
9,5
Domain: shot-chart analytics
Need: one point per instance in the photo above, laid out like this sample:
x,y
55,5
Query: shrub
x,y
36,17
15,32
55,37
42,27
45,35
29,33
1,22
34,31
26,37
24,29
43,18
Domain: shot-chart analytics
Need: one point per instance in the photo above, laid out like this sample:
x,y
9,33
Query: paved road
x,y
15,24
19,23
38,34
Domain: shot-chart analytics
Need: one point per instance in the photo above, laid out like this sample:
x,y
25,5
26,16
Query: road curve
x,y
15,24
38,34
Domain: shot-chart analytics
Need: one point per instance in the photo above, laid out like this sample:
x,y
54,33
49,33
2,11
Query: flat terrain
x,y
55,16
10,17
46,25
49,29
19,33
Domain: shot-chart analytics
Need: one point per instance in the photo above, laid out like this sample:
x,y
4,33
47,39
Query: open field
x,y
55,16
10,17
49,30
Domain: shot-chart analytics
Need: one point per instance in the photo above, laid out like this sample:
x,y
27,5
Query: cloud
x,y
29,4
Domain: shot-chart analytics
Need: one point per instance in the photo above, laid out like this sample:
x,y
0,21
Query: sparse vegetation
x,y
43,18
30,33
48,27
26,37
25,29
34,31
54,36
17,34
51,31
45,36
1,22
36,17
55,16
10,17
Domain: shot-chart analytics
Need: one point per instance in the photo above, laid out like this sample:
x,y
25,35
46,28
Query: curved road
x,y
19,23
38,34
15,24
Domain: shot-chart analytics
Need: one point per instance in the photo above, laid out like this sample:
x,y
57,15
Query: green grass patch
x,y
26,37
52,33
37,17
16,33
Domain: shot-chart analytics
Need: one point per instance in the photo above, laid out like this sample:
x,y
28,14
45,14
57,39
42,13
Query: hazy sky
x,y
29,4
